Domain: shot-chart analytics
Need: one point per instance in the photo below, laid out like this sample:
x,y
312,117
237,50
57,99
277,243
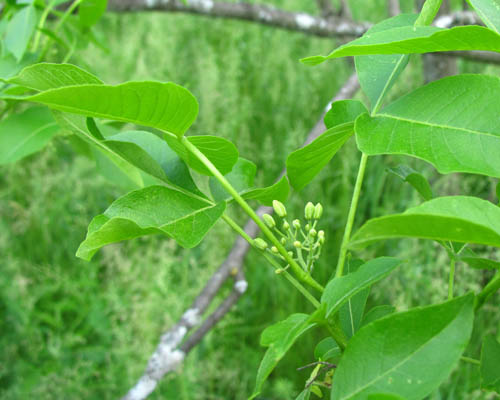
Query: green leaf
x,y
25,133
90,11
351,312
241,178
305,394
278,191
456,218
385,396
377,73
490,360
498,193
428,13
340,290
343,111
45,76
450,123
406,354
221,152
415,179
304,164
474,261
19,31
9,66
154,209
327,350
280,338
165,106
150,153
489,12
377,313
411,40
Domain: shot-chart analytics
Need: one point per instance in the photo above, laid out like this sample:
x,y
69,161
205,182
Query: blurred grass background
x,y
76,330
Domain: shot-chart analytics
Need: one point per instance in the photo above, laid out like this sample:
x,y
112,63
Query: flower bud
x,y
286,225
321,240
297,244
274,249
313,232
309,210
278,271
269,220
283,241
279,208
318,211
290,253
296,224
260,244
308,227
321,234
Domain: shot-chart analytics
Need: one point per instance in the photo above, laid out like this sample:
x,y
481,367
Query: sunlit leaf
x,y
489,12
406,354
154,209
455,218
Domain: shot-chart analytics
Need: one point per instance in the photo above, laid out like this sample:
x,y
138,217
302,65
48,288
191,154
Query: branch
x,y
394,8
261,13
325,7
170,353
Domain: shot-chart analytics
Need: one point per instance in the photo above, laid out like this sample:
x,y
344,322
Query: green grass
x,y
76,330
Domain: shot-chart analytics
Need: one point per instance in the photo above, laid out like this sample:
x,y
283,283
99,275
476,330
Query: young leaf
x,y
489,12
351,313
90,11
165,106
474,261
340,290
45,76
150,153
428,13
411,40
241,178
221,152
406,354
415,179
278,191
280,338
154,209
19,31
25,133
456,218
377,313
450,123
490,360
327,350
343,111
377,73
305,394
304,164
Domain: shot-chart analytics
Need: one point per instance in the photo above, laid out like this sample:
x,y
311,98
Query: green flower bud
x,y
321,240
290,253
279,208
309,210
286,225
308,227
260,244
269,220
278,271
296,224
283,241
297,244
318,211
274,249
313,232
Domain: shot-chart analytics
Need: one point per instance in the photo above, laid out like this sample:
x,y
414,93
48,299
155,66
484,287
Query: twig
x,y
393,8
170,352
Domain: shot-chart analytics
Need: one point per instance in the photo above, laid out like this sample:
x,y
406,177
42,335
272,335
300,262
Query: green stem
x,y
337,335
272,261
41,24
470,360
488,290
298,271
351,215
60,23
451,278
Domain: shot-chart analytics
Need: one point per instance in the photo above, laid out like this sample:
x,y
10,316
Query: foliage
x,y
182,180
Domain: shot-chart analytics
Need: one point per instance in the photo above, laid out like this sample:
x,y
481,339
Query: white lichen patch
x,y
305,21
142,389
205,5
264,16
444,22
241,286
191,316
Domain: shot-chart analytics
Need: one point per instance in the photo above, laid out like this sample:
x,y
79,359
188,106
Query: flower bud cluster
x,y
303,243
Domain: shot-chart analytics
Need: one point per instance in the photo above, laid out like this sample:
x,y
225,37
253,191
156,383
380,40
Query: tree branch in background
x,y
325,8
171,350
393,8
345,10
